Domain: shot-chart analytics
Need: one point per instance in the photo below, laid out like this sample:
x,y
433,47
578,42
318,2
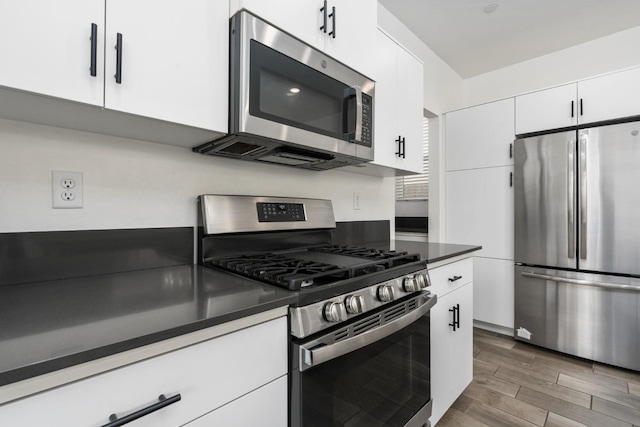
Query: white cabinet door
x,y
300,18
46,48
462,340
264,407
174,60
609,97
440,346
480,137
399,107
410,111
494,291
451,351
386,107
547,109
356,24
207,375
479,210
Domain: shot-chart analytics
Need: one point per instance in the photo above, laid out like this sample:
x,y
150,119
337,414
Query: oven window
x,y
286,91
382,385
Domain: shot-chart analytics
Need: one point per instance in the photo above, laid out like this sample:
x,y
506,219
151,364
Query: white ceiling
x,y
473,42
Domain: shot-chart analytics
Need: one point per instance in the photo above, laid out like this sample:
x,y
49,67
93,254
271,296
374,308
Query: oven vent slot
x,y
366,325
342,334
394,313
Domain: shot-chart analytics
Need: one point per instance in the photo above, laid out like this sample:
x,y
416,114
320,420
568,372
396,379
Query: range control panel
x,y
280,212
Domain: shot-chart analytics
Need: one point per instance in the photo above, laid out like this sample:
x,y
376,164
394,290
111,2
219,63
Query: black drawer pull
x,y
162,402
94,50
454,278
118,74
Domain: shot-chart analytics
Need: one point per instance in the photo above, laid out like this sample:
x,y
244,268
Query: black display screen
x,y
280,212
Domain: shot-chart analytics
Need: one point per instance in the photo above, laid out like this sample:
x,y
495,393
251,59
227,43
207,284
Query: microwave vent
x,y
239,148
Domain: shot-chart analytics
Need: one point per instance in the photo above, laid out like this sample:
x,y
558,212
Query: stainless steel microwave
x,y
291,104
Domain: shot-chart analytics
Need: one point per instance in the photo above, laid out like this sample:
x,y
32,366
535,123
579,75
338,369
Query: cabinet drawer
x,y
440,276
206,375
264,407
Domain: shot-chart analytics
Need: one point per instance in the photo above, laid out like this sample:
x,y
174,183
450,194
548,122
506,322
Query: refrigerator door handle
x,y
571,246
583,197
616,286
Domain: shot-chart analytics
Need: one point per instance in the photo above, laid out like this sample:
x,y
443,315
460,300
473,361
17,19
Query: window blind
x,y
416,187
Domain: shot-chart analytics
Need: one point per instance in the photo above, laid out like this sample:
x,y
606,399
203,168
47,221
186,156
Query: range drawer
x,y
449,277
206,375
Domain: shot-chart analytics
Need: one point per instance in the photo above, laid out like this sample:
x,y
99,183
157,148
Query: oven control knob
x,y
410,284
354,304
334,312
386,293
423,280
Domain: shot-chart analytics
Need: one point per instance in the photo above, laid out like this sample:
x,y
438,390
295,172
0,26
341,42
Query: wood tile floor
x,y
517,384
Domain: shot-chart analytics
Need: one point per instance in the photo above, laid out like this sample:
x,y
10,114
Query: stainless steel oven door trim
x,y
316,352
252,28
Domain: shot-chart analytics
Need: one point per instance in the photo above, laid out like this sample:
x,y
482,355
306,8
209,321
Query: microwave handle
x,y
355,91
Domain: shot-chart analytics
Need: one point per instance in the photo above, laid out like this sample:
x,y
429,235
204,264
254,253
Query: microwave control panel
x,y
367,120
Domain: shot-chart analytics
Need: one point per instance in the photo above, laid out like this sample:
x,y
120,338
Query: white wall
x,y
135,184
600,56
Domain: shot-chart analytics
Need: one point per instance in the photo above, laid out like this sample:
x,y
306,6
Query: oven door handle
x,y
310,357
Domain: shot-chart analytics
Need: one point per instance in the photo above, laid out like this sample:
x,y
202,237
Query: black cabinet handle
x,y
323,9
458,315
401,146
454,278
572,114
333,18
163,402
510,179
511,150
581,109
118,75
94,50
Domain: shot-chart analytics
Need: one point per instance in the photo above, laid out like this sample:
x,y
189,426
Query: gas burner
x,y
284,271
392,258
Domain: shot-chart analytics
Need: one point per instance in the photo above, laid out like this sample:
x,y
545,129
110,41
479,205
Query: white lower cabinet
x,y
207,375
264,407
451,350
493,300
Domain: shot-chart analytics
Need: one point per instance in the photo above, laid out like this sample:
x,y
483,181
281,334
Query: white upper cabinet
x,y
398,109
601,98
609,97
547,109
480,136
173,60
343,29
46,47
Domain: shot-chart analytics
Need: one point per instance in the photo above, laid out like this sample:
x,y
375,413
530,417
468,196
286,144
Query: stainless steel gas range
x,y
359,353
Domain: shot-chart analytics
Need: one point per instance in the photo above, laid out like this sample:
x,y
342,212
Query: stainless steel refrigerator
x,y
577,242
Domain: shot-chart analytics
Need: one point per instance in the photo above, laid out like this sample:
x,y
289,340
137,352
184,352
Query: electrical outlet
x,y
356,201
66,190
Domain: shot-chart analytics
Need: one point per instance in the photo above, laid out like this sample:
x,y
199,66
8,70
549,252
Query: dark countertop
x,y
52,325
434,252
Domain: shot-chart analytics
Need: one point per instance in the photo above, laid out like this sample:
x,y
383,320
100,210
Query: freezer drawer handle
x,y
454,278
616,286
163,402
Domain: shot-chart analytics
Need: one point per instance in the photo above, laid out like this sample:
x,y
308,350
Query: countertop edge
x,y
29,380
453,255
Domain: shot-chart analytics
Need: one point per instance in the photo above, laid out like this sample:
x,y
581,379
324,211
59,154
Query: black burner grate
x,y
391,258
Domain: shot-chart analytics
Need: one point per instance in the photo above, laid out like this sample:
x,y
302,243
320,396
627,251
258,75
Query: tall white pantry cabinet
x,y
479,201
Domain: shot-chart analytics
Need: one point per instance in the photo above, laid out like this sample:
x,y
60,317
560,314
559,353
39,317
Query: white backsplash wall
x,y
136,184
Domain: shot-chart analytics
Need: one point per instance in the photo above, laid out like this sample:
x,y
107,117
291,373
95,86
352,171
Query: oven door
x,y
285,90
373,371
